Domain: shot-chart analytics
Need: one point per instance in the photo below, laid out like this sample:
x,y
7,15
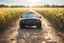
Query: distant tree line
x,y
47,5
17,6
14,6
2,5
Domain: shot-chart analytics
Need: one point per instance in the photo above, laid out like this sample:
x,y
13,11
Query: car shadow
x,y
29,35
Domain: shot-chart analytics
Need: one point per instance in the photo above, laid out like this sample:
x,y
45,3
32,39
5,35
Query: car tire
x,y
21,25
39,25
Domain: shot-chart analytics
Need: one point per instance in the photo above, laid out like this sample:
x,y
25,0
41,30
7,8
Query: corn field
x,y
56,15
8,15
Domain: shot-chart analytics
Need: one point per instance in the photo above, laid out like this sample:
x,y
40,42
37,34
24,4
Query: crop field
x,y
56,15
8,15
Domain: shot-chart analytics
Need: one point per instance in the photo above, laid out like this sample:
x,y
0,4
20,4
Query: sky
x,y
32,2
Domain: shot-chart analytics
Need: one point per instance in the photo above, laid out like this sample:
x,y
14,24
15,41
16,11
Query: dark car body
x,y
30,19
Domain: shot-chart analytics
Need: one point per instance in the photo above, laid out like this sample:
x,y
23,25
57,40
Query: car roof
x,y
29,13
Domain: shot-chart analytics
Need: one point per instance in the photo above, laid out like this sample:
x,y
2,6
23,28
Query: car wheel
x,y
39,25
21,25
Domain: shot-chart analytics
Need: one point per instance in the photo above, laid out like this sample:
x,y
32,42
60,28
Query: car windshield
x,y
29,15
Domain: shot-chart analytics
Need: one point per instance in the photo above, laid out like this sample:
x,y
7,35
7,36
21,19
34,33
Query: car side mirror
x,y
39,16
21,16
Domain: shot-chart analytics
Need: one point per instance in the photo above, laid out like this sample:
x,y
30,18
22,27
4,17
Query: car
x,y
30,19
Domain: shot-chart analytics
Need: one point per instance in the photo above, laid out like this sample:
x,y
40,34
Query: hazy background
x,y
32,2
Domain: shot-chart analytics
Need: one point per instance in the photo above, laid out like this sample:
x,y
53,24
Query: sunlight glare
x,y
33,2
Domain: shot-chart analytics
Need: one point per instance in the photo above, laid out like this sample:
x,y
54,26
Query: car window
x,y
29,16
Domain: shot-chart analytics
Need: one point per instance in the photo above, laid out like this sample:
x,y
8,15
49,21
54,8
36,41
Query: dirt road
x,y
45,35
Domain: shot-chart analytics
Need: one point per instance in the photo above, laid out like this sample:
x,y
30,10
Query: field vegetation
x,y
9,15
56,15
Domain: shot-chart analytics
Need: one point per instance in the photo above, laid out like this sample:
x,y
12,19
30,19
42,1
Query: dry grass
x,y
56,15
8,15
